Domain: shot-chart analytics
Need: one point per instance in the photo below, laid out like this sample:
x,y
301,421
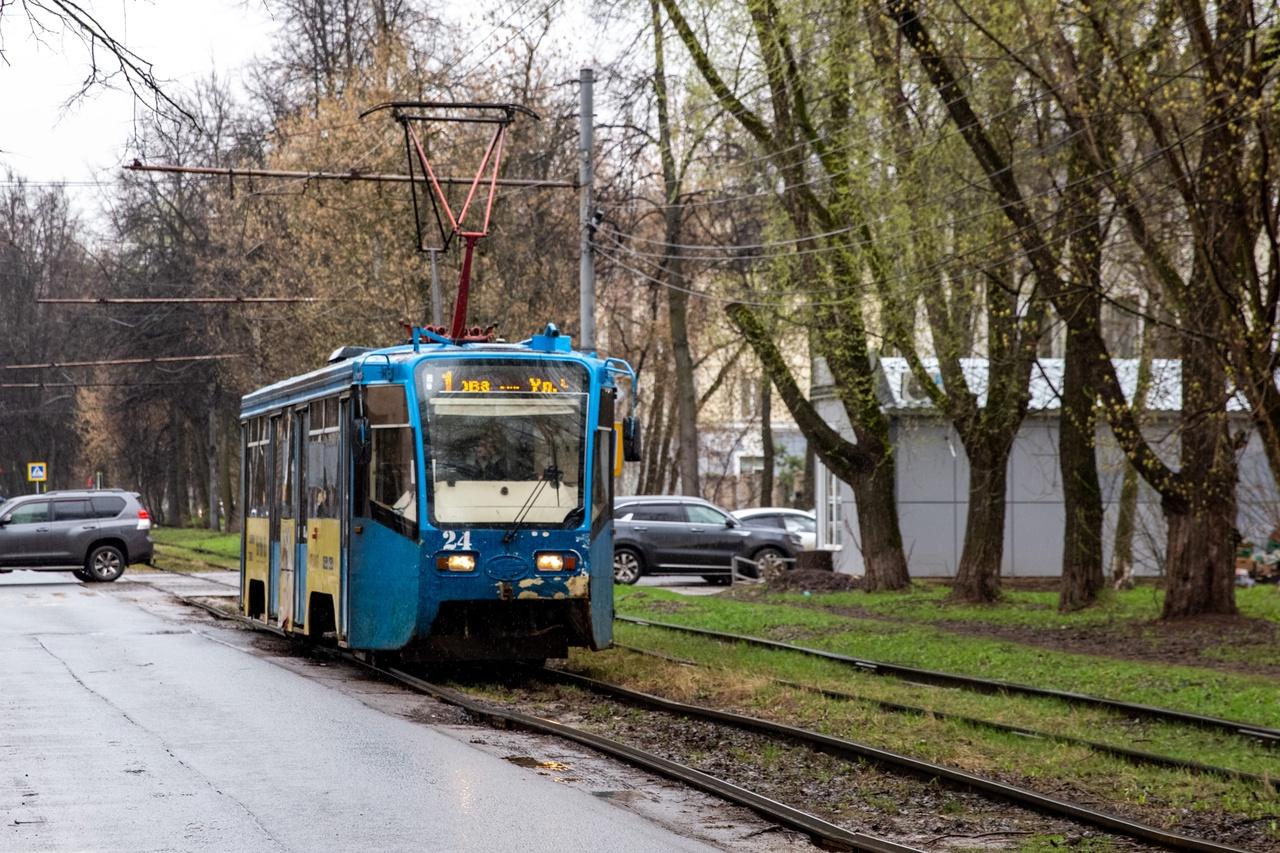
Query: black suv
x,y
689,536
93,533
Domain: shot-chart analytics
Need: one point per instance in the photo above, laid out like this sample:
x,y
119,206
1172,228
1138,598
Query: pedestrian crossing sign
x,y
37,472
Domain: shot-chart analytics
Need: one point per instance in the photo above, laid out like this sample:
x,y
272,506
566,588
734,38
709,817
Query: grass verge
x,y
1251,699
926,602
185,549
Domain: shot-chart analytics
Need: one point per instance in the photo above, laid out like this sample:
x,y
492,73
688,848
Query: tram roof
x,y
341,372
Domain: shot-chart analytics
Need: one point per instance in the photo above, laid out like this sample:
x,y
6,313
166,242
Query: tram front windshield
x,y
504,442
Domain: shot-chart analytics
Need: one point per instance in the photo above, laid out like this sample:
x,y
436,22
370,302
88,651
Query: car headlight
x,y
794,539
456,562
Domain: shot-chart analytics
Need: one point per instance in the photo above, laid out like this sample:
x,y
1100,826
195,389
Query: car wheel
x,y
716,580
84,575
627,566
105,563
769,560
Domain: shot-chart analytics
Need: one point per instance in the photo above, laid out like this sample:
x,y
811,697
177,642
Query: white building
x,y
932,473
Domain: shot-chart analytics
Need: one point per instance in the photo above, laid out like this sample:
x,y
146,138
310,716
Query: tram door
x,y
284,517
344,514
302,431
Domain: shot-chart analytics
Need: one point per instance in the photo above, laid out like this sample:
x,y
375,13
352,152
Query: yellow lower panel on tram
x,y
257,563
324,561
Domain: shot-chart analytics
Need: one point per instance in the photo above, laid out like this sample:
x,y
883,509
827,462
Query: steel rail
x,y
1134,756
852,749
773,810
986,685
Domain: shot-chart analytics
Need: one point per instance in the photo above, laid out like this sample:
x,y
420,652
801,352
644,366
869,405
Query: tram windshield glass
x,y
504,441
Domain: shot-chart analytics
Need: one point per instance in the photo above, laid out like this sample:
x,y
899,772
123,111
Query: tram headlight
x,y
550,561
456,562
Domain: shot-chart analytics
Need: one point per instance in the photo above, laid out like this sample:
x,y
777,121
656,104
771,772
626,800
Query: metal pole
x,y
587,268
437,309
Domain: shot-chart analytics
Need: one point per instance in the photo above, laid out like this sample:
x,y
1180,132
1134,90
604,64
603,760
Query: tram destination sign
x,y
499,377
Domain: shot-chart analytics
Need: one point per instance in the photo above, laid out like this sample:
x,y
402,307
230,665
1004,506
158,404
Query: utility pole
x,y
587,267
437,311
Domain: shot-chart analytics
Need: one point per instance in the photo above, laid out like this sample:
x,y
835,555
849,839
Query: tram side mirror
x,y
631,447
362,440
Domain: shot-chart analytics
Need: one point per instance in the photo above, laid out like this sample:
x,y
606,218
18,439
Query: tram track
x,y
1263,734
784,815
829,834
854,750
1133,756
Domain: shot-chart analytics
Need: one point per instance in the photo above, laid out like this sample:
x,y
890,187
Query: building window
x,y
834,510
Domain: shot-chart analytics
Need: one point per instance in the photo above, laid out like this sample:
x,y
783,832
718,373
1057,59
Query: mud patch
x,y
1227,643
812,580
536,764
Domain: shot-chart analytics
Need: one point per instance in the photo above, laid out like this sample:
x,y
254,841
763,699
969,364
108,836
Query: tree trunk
x,y
766,442
211,458
172,512
1082,576
181,484
686,404
1200,557
1126,524
1201,560
806,497
882,554
978,575
1127,516
230,460
650,478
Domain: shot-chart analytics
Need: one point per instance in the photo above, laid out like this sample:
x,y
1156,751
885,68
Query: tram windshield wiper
x,y
552,475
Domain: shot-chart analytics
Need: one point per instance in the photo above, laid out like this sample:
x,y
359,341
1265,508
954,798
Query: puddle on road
x,y
535,764
625,796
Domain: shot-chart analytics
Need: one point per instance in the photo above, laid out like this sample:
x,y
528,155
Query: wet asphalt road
x,y
123,730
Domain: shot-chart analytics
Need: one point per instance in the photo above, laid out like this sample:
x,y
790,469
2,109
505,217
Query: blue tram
x,y
447,501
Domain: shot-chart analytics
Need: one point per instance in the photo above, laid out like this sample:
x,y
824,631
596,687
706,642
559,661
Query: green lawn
x,y
1247,698
194,549
927,603
1036,713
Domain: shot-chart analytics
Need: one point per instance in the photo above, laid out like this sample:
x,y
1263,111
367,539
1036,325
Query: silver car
x,y
95,534
797,521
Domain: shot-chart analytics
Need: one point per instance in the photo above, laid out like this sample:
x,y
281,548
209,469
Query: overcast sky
x,y
43,140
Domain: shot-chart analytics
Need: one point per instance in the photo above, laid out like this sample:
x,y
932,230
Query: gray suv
x,y
93,533
663,535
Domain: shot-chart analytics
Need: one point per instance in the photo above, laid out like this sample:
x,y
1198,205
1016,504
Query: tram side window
x,y
284,444
256,467
602,479
322,460
392,481
602,466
